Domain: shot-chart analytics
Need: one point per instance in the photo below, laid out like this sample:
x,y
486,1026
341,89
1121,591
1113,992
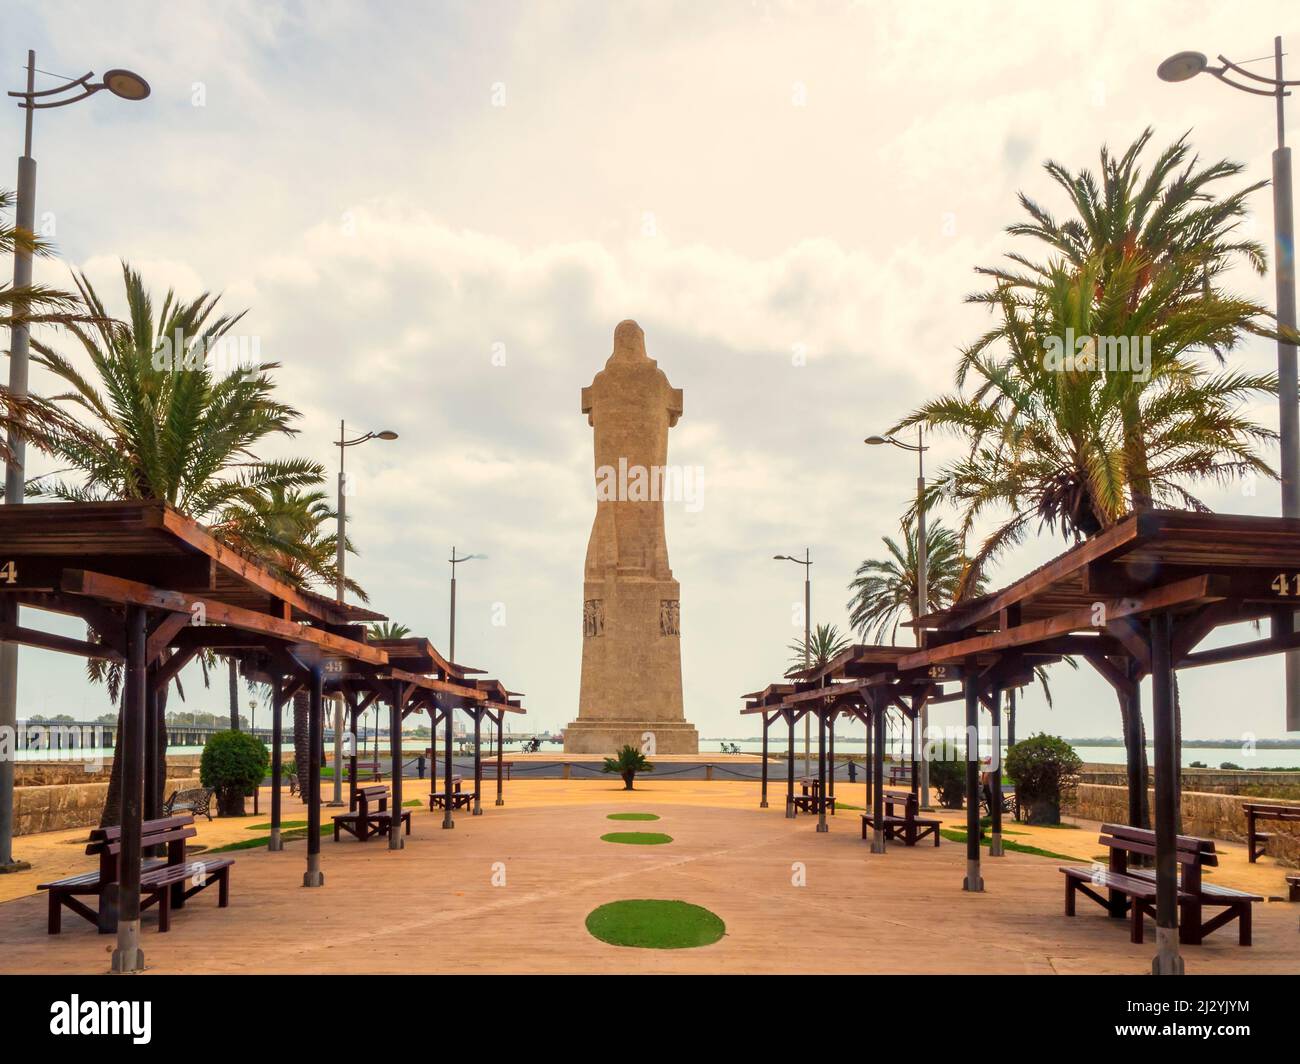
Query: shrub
x,y
949,779
1045,769
627,763
1231,765
235,764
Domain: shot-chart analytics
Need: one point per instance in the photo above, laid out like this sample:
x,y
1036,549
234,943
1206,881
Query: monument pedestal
x,y
608,736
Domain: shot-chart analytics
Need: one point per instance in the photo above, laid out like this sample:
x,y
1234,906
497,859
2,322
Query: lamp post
x,y
340,556
1182,67
127,86
451,635
806,562
922,578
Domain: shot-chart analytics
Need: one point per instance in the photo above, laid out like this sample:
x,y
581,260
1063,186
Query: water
x,y
1213,756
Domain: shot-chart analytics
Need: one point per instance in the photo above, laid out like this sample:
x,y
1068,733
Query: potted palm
x,y
627,763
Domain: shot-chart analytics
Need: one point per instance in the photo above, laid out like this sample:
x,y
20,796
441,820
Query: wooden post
x,y
789,766
869,761
762,803
1133,742
973,881
917,739
313,877
276,843
128,957
447,821
995,771
152,799
478,760
501,725
1167,959
877,704
395,788
354,721
830,746
821,772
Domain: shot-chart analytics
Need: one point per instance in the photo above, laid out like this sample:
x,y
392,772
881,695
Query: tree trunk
x,y
628,777
1011,718
233,666
1178,754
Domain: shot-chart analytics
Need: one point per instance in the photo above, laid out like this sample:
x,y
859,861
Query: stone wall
x,y
50,773
1214,816
69,805
1211,780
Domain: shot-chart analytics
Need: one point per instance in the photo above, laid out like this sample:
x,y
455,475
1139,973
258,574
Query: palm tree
x,y
627,763
1063,446
383,631
1076,449
145,416
884,591
824,643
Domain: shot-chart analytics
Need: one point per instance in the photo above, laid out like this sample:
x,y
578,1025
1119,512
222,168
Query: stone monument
x,y
631,643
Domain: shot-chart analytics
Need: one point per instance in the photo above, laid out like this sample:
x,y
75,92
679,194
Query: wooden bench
x,y
194,801
1134,891
900,774
490,763
369,767
908,827
1293,886
370,815
459,798
1259,811
167,883
1010,799
809,798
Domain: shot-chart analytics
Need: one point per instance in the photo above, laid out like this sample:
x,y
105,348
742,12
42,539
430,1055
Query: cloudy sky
x,y
437,212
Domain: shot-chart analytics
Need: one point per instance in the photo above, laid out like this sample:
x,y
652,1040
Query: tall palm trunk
x,y
111,814
233,665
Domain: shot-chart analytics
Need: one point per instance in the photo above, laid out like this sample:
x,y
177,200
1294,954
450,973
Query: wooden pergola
x,y
157,590
1134,601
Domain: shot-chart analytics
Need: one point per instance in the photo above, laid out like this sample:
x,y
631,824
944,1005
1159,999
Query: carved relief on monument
x,y
669,616
593,617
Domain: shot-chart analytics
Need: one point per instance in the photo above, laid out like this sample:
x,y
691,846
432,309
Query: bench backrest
x,y
1189,850
1279,812
106,843
905,798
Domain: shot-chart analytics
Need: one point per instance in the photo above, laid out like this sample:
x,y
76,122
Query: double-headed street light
x,y
343,443
806,562
1184,66
127,86
922,577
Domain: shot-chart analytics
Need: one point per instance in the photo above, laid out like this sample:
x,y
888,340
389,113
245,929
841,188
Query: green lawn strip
x,y
262,840
283,825
637,838
632,816
412,802
655,924
1018,847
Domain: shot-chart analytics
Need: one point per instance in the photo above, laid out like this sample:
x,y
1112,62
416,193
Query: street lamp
x,y
1182,67
127,86
922,578
806,562
451,635
340,554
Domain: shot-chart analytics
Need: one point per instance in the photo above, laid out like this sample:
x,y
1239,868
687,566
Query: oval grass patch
x,y
632,816
654,924
637,838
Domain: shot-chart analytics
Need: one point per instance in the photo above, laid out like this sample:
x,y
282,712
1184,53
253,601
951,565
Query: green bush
x,y
235,764
949,779
1230,766
1045,769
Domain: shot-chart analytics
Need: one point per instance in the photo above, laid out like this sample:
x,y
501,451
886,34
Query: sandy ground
x,y
793,900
